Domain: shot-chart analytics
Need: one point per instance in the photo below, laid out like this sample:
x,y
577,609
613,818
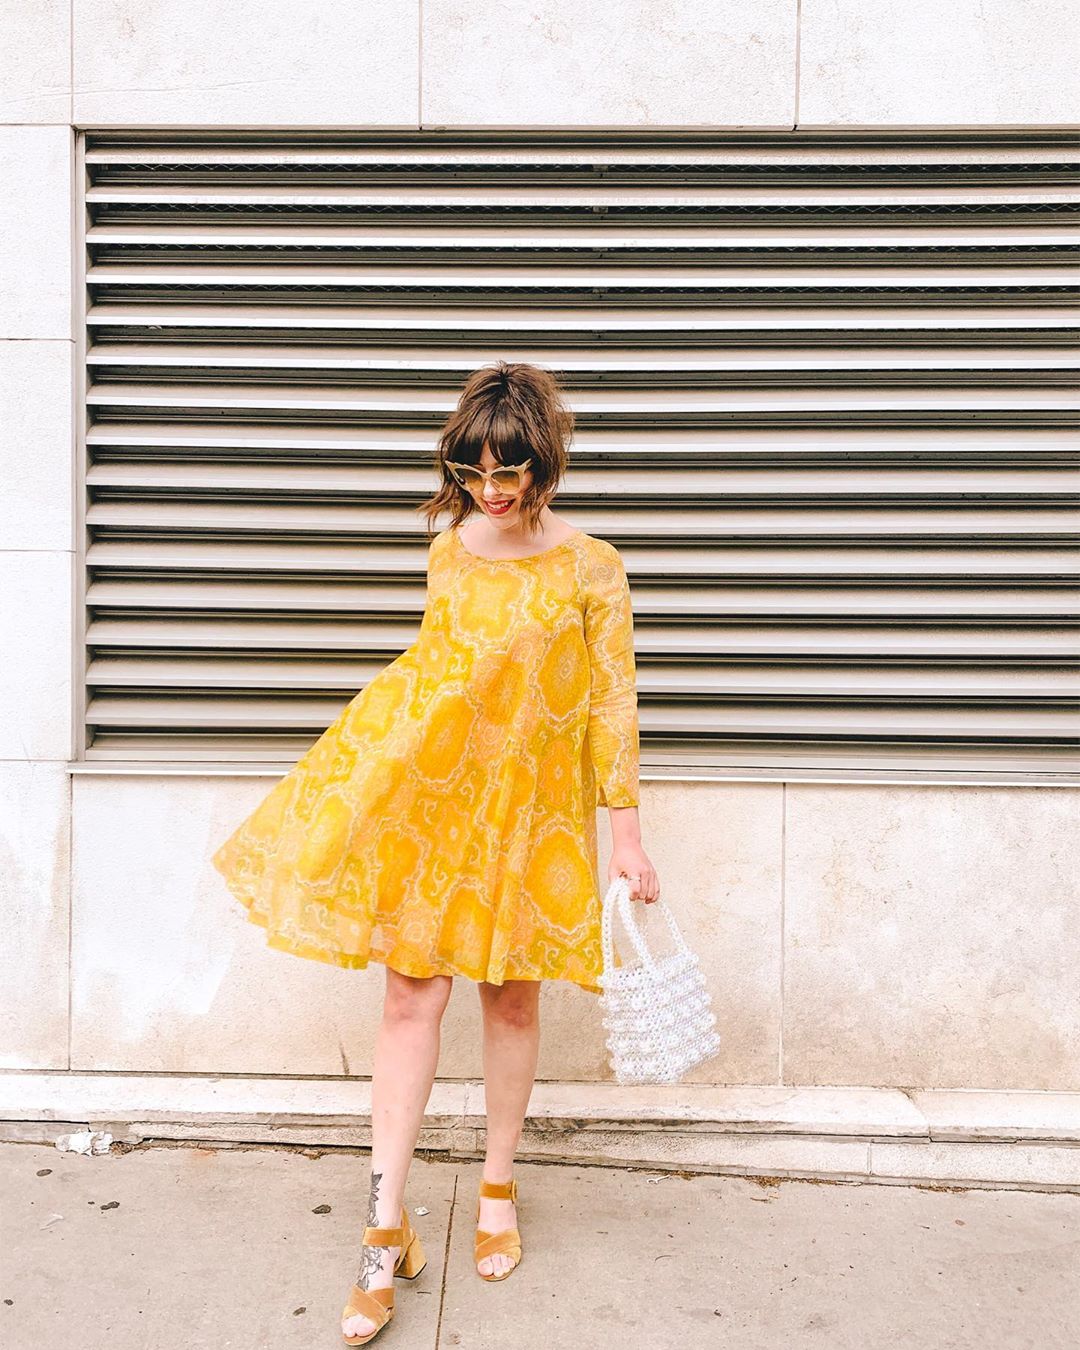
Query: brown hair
x,y
517,411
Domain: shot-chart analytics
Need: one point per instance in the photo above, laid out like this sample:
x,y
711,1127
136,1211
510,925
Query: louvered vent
x,y
826,400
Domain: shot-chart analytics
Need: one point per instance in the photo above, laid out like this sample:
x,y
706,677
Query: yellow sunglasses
x,y
507,477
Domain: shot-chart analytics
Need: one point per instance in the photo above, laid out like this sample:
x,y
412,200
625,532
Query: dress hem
x,y
344,960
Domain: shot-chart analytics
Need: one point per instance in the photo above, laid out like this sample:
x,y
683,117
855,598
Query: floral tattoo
x,y
371,1257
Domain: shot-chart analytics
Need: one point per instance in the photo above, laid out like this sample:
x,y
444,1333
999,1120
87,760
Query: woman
x,y
445,823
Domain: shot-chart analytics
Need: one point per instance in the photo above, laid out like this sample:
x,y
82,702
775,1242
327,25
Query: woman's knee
x,y
411,998
515,1003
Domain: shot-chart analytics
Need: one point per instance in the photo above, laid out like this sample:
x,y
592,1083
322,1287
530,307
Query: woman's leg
x,y
511,1046
406,1056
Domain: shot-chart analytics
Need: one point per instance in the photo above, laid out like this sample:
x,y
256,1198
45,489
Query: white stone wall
x,y
545,63
859,934
36,580
853,935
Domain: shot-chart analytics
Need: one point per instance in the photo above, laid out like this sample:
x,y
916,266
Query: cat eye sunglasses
x,y
507,477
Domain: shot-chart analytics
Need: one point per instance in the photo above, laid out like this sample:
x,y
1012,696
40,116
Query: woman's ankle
x,y
497,1173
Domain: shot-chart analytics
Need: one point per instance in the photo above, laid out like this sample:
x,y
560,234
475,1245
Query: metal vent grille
x,y
826,400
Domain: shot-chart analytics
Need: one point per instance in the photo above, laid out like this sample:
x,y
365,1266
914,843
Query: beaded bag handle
x,y
621,888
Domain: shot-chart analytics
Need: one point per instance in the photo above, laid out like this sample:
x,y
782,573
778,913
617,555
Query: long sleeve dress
x,y
445,823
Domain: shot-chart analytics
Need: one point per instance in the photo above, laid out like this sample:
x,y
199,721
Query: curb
x,y
958,1137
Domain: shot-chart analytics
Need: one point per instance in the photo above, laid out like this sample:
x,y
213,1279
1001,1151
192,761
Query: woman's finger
x,y
634,885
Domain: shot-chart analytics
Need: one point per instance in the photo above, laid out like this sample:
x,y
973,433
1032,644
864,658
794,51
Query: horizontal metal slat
x,y
958,559
596,193
672,484
962,364
953,152
760,641
654,604
954,722
706,279
424,404
332,675
447,237
273,753
598,323
647,448
714,525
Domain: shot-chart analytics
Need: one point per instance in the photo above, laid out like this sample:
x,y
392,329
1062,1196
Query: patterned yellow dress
x,y
445,823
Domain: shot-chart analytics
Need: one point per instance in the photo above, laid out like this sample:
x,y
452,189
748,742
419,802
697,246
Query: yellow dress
x,y
445,823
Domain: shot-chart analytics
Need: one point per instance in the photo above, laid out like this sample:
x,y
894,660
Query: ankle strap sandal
x,y
505,1243
378,1304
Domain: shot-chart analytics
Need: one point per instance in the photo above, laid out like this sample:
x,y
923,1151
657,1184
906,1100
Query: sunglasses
x,y
507,477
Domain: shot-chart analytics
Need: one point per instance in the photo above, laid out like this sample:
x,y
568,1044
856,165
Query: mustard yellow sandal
x,y
508,1242
378,1304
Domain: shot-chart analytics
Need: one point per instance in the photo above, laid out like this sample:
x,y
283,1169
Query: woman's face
x,y
501,507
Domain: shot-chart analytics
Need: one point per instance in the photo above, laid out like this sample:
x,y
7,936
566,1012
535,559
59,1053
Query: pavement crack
x,y
446,1262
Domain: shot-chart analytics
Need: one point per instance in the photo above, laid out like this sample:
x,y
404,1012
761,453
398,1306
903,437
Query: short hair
x,y
517,411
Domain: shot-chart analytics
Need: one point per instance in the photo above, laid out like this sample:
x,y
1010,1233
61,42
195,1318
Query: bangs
x,y
517,411
504,435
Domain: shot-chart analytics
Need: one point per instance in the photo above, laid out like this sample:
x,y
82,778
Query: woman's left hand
x,y
631,861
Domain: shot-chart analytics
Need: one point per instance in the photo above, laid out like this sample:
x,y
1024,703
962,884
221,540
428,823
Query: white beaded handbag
x,y
657,1011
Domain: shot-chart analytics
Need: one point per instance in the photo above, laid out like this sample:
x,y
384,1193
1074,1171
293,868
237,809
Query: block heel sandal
x,y
507,1242
378,1304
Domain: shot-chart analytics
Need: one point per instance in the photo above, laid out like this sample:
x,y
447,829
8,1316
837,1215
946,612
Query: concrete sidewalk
x,y
235,1248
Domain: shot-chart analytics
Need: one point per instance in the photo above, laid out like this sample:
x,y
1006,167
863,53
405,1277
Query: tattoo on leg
x,y
371,1257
